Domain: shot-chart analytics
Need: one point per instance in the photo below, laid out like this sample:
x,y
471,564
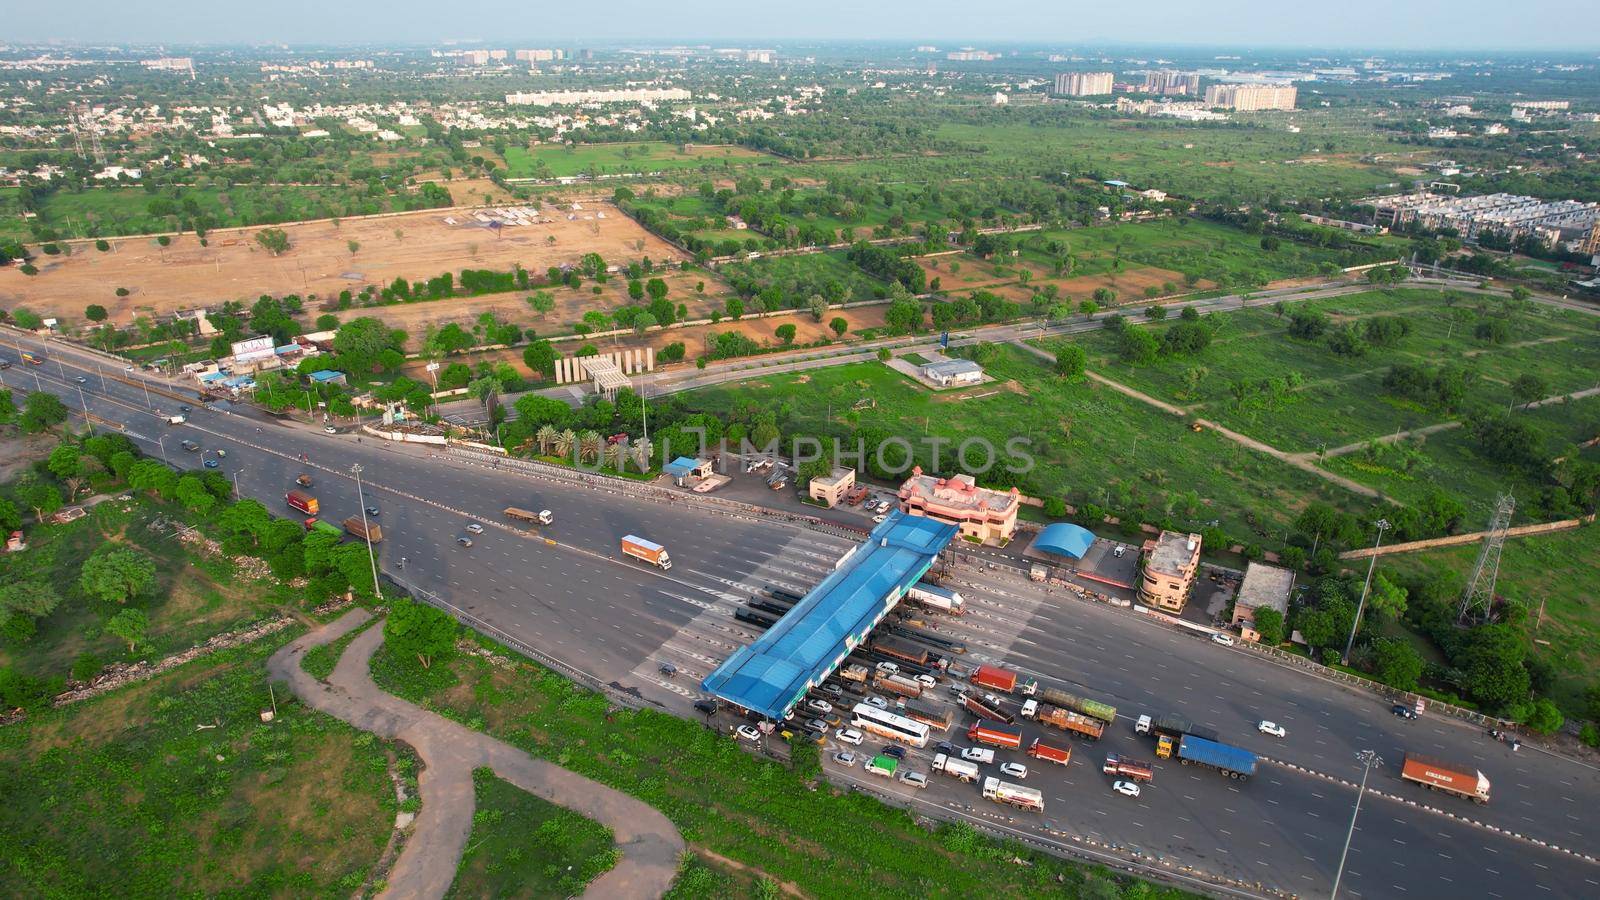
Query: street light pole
x,y
1368,759
355,469
162,443
1383,525
236,484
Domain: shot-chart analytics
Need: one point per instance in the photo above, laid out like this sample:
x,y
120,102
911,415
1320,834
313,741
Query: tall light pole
x,y
355,469
236,483
162,443
1368,759
1383,525
145,383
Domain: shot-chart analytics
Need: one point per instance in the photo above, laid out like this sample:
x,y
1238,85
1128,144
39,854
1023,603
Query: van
x,y
1142,726
176,420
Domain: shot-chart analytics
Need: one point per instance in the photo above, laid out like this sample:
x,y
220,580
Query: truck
x,y
767,606
649,551
1437,775
999,679
1040,750
995,734
936,597
370,531
883,765
1169,729
760,620
324,527
542,517
984,708
938,717
177,419
855,672
1233,762
302,501
899,649
898,684
1102,711
855,497
955,768
1012,794
1131,769
1066,720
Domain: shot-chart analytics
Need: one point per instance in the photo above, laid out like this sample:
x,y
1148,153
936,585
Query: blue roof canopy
x,y
1065,539
680,467
771,674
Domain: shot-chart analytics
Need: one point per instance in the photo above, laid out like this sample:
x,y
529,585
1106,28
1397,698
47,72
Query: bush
x,y
1590,735
102,245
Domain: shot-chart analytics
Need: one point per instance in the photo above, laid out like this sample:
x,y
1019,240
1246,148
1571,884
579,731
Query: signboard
x,y
252,350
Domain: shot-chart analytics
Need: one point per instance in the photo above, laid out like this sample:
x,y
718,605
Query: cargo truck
x,y
649,551
542,517
781,594
1040,750
766,606
999,679
1012,794
883,765
898,684
855,672
370,531
1436,775
1094,708
302,501
1131,769
900,650
955,768
760,620
938,717
1230,761
1066,720
324,527
995,734
984,708
937,597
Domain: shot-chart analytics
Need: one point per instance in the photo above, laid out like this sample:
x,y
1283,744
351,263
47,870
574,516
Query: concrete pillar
x,y
649,359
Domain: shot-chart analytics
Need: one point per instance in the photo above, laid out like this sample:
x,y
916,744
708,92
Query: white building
x,y
1083,84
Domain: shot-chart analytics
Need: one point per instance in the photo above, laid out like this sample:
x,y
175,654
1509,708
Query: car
x,y
127,368
947,748
1271,728
184,407
878,519
1120,602
894,750
329,429
914,779
190,446
821,706
464,541
879,702
212,464
4,364
978,755
1126,788
1220,638
849,736
748,733
832,690
956,690
1119,551
474,528
709,707
81,380
1403,711
927,680
1015,770
845,758
667,669
816,725
888,667
372,511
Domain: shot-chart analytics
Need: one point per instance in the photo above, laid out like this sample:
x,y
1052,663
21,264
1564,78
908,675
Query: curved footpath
x,y
648,841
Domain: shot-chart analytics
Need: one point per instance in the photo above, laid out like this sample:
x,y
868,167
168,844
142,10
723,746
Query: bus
x,y
867,717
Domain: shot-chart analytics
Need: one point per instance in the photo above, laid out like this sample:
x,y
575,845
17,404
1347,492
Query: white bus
x,y
907,731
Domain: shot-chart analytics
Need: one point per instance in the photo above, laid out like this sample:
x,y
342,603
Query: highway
x,y
579,602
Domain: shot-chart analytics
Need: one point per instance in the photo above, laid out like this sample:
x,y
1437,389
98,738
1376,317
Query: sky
x,y
1443,25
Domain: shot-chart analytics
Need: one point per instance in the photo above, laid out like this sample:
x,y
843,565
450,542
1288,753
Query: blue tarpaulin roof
x,y
680,467
1064,539
325,375
770,675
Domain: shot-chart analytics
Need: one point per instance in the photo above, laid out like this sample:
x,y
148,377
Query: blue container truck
x,y
1230,761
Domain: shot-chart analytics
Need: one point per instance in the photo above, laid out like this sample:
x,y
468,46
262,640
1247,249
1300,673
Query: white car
x,y
748,733
878,519
1126,788
915,779
879,702
845,757
849,736
475,528
1015,770
329,429
927,681
1272,728
888,667
978,755
821,706
1223,639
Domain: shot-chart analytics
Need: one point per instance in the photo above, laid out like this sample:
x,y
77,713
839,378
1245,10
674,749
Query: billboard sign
x,y
252,350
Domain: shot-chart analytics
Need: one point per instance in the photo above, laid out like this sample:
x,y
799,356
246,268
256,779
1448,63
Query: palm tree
x,y
589,446
565,442
546,436
613,457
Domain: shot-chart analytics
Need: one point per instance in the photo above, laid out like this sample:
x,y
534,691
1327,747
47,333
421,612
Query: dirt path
x,y
1446,426
648,841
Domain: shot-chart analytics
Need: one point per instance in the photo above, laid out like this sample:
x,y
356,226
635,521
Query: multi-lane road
x,y
566,591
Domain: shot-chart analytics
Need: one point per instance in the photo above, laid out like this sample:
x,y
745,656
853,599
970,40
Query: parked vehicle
x,y
878,702
751,617
1105,712
370,531
748,732
1437,775
892,750
1223,639
649,551
1014,770
709,707
999,679
995,734
1230,761
324,527
1013,794
463,540
302,501
329,429
1169,729
956,768
1131,769
542,517
1403,711
936,597
1040,750
1066,720
821,706
474,528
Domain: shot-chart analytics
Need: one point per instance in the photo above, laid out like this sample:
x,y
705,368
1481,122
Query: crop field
x,y
814,268
635,158
1089,442
318,262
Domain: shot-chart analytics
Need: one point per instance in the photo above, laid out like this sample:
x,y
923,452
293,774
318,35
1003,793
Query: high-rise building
x,y
1168,82
1083,84
533,56
1251,97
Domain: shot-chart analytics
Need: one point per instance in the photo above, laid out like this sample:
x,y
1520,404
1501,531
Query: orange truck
x,y
1058,755
649,551
1437,775
302,501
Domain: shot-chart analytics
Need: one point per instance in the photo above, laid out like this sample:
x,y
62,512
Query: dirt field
x,y
185,275
1129,283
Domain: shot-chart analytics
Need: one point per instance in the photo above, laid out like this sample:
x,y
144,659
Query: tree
x,y
117,574
417,630
635,289
30,599
1070,361
734,307
1386,597
839,325
1527,388
818,305
656,288
41,411
10,516
353,246
1137,346
540,356
1089,307
1488,660
1104,296
361,343
1307,324
130,625
274,240
1544,717
94,312
192,493
542,302
248,519
1396,663
39,496
1269,624
8,408
785,333
65,462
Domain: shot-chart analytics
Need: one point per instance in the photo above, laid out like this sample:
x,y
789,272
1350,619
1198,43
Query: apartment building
x,y
1170,563
1251,97
1083,84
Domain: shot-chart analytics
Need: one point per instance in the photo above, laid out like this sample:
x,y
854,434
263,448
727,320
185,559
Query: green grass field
x,y
815,268
630,158
522,846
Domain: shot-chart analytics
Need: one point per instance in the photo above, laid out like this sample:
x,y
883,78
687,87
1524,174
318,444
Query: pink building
x,y
981,514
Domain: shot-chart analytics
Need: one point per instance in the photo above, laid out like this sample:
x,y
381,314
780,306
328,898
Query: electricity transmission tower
x,y
1477,603
83,120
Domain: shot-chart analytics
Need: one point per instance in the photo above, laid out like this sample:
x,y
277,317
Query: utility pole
x,y
1372,563
1368,759
162,443
355,469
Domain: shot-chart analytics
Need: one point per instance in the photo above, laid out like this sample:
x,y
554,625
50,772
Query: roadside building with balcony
x,y
1170,563
981,515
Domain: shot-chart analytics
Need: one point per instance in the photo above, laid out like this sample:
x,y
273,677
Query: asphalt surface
x,y
577,600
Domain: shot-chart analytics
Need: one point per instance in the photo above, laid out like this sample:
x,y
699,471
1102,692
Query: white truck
x,y
178,419
936,597
955,768
1012,794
